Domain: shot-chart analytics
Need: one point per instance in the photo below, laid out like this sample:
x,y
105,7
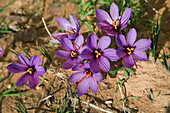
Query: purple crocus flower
x,y
72,53
99,57
1,51
32,69
72,30
112,26
86,78
129,51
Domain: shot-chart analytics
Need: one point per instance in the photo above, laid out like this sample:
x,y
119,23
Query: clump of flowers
x,y
31,68
72,29
99,57
71,53
129,51
86,78
114,25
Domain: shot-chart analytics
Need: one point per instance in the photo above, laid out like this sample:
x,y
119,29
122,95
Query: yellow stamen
x,y
87,74
130,50
115,25
97,54
29,70
70,32
73,54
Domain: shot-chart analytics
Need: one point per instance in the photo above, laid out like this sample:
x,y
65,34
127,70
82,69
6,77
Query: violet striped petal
x,y
16,68
63,23
87,54
139,55
35,60
24,60
131,36
62,54
66,44
120,52
93,84
120,40
110,54
114,11
104,64
59,35
112,33
68,64
126,15
75,77
83,87
92,41
55,41
104,42
94,66
142,44
104,26
79,41
1,51
33,81
103,16
98,76
78,67
39,70
123,27
22,80
72,21
128,61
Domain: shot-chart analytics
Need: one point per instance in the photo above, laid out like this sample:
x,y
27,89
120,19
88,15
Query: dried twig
x,y
47,28
124,109
92,105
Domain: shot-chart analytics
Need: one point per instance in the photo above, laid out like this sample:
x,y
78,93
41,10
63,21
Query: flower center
x,y
30,70
97,53
88,73
129,50
115,24
70,32
73,54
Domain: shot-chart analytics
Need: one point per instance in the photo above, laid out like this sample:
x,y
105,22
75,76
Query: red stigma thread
x,y
79,81
121,60
81,65
2,58
60,35
106,27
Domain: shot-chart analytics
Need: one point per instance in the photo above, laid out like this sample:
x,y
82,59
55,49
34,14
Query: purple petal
x,y
62,54
112,33
63,23
79,41
126,15
104,26
59,35
110,54
93,84
72,21
131,36
39,70
128,61
82,49
104,64
35,60
83,87
68,64
139,55
86,65
98,76
123,26
114,11
104,42
1,51
16,68
22,80
33,81
24,60
142,44
94,66
77,24
55,41
78,60
120,40
120,53
78,67
75,77
87,54
66,44
72,36
103,16
92,41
